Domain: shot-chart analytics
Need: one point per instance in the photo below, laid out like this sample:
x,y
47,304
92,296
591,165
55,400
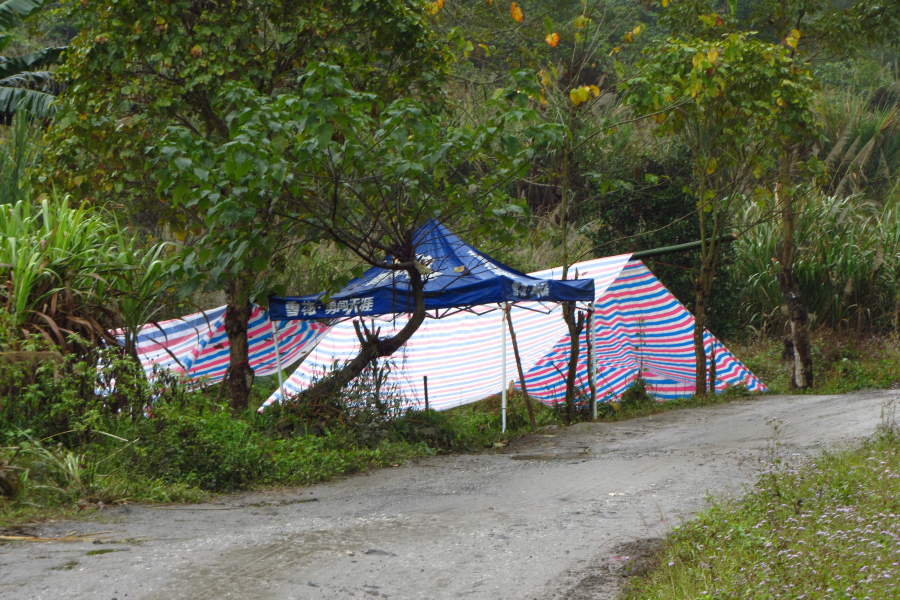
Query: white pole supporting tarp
x,y
593,364
277,358
503,369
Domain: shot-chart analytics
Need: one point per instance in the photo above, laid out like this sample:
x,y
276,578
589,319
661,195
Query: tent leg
x,y
592,359
503,371
277,359
515,346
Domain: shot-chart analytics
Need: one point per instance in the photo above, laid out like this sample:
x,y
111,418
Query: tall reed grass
x,y
71,275
847,266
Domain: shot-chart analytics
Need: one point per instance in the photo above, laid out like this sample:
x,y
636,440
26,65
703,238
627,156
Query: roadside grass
x,y
842,363
193,446
828,527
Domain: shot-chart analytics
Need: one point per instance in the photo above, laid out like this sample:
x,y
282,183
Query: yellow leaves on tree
x,y
432,8
792,39
665,3
582,94
552,39
196,51
516,12
629,36
580,22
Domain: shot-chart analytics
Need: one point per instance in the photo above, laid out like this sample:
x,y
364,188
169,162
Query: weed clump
x,y
636,396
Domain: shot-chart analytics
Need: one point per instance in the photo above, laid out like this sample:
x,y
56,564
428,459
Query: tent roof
x,y
458,276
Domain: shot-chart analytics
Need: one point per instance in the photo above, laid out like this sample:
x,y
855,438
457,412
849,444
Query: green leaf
x,y
183,163
180,190
14,11
30,62
324,134
36,103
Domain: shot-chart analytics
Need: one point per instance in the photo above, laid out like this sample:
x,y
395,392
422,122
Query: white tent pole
x,y
594,353
503,374
277,359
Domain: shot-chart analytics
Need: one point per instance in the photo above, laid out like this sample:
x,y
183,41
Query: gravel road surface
x,y
566,514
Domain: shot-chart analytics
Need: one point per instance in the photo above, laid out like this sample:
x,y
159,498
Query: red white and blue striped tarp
x,y
641,330
197,346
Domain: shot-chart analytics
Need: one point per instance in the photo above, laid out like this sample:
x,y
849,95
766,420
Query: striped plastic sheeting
x,y
641,328
197,345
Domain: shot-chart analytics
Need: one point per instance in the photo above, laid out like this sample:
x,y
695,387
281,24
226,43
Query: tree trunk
x,y
239,377
575,327
371,347
592,358
699,326
515,345
796,343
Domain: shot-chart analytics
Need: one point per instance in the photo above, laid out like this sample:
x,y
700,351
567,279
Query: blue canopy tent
x,y
457,277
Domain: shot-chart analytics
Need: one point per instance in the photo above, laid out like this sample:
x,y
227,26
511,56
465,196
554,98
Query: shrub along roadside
x,y
84,437
828,528
844,363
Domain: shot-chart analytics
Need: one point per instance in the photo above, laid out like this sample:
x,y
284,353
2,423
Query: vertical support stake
x,y
278,359
594,368
503,374
425,379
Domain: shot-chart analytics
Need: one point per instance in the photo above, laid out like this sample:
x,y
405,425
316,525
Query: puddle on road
x,y
106,551
562,456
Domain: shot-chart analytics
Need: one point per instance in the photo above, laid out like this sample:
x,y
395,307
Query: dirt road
x,y
559,515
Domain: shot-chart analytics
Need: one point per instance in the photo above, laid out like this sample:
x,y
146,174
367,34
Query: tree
x,y
808,30
333,163
571,52
734,101
25,81
139,68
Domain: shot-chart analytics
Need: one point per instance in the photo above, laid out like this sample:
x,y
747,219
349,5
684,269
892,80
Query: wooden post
x,y
592,359
512,335
425,379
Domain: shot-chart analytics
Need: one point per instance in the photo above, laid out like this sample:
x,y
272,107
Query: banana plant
x,y
26,83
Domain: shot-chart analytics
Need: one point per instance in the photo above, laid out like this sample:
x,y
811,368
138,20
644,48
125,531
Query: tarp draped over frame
x,y
197,346
456,276
641,329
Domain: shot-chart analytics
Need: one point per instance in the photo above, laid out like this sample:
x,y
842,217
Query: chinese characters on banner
x,y
538,290
347,307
